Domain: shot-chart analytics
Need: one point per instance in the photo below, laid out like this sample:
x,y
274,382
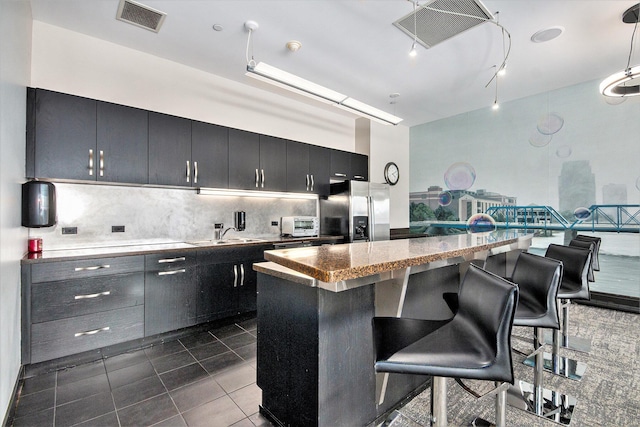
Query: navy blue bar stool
x,y
474,344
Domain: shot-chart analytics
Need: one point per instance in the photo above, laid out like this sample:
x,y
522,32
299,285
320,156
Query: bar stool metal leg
x,y
439,402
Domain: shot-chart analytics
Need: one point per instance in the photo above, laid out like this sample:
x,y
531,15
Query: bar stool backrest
x,y
595,262
591,247
538,279
576,263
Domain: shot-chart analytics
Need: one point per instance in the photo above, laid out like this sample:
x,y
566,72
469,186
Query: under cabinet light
x,y
248,193
293,83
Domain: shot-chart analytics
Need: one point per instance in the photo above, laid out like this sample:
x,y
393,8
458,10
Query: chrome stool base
x,y
560,365
556,407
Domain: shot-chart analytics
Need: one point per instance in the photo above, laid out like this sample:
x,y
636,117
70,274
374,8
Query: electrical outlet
x,y
117,228
69,230
274,223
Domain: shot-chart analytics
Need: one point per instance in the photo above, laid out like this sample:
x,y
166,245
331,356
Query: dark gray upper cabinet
x,y
308,168
298,179
359,167
340,164
319,169
273,163
61,136
170,150
244,160
122,134
209,155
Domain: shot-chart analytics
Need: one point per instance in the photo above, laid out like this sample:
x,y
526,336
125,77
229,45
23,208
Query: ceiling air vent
x,y
140,15
438,20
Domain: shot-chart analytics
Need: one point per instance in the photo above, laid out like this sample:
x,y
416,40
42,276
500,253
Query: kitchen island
x,y
315,310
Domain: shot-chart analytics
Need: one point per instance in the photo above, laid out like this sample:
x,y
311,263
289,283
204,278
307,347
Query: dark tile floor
x,y
207,378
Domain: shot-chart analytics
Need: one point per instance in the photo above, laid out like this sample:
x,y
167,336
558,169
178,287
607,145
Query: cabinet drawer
x,y
233,255
50,340
169,261
62,270
62,299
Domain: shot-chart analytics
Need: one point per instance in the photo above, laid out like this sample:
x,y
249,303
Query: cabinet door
x,y
273,163
210,155
122,134
244,159
217,296
65,136
359,167
169,150
169,299
340,164
247,288
298,177
319,169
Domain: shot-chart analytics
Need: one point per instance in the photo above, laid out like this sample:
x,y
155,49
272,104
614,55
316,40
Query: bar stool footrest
x,y
563,366
582,345
556,407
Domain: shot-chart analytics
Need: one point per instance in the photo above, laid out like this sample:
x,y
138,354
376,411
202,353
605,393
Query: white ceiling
x,y
351,46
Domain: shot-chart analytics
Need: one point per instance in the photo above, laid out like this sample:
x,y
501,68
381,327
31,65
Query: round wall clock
x,y
391,173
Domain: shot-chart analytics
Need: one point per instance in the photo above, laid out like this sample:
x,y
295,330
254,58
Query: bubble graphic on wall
x,y
549,124
538,139
445,198
582,213
460,176
481,222
563,151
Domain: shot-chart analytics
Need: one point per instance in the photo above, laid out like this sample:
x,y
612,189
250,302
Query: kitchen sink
x,y
230,241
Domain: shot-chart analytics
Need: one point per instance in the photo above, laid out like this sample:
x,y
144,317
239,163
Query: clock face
x,y
391,173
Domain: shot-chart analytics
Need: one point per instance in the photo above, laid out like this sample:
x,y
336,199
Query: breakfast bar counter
x,y
315,309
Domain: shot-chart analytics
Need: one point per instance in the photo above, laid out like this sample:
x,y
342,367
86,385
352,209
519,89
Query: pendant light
x,y
626,82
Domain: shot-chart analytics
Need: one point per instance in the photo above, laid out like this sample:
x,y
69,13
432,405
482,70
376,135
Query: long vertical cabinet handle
x,y
312,183
101,162
235,276
257,179
188,172
90,161
241,274
308,182
262,178
195,172
372,220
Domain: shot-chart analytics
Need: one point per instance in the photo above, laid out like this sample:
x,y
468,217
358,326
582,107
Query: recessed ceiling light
x,y
218,27
294,45
547,34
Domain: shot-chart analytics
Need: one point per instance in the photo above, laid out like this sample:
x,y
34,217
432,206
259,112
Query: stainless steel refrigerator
x,y
356,210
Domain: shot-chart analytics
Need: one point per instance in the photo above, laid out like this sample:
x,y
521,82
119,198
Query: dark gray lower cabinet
x,y
73,306
170,292
227,282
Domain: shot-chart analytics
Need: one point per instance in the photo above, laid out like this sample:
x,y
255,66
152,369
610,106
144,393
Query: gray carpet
x,y
608,395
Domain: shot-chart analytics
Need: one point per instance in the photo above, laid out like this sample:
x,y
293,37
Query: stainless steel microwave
x,y
299,226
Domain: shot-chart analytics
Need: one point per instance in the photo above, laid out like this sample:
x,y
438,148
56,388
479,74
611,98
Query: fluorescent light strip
x,y
291,82
248,193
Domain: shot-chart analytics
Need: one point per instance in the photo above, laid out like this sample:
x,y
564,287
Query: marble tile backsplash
x,y
157,215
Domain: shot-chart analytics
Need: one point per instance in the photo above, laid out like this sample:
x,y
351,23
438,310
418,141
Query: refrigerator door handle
x,y
372,220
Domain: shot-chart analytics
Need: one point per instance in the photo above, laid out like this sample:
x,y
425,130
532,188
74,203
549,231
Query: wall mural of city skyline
x,y
569,149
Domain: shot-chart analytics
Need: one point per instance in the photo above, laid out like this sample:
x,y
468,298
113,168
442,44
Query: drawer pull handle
x,y
92,268
342,175
162,261
167,273
88,296
95,331
360,177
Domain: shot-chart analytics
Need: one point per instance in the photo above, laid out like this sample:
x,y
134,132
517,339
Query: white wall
x,y
15,46
74,63
391,144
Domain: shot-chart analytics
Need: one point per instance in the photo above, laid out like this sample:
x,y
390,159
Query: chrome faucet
x,y
225,232
219,231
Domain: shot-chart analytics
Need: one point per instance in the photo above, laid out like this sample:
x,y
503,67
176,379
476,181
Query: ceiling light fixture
x,y
293,83
622,83
413,52
547,34
495,105
249,193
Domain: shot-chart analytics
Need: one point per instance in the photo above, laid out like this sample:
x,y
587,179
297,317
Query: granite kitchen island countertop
x,y
355,260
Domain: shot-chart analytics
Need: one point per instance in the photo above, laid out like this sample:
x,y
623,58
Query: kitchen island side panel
x,y
315,354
